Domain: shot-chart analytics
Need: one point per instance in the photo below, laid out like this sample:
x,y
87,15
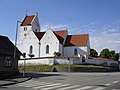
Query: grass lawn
x,y
48,68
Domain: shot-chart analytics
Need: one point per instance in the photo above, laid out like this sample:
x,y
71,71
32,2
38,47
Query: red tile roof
x,y
100,58
71,40
39,34
77,40
27,20
61,35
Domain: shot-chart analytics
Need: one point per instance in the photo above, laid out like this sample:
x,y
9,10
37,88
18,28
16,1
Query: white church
x,y
41,46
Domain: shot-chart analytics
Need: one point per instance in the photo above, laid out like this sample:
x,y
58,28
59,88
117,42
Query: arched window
x,y
31,49
75,51
47,49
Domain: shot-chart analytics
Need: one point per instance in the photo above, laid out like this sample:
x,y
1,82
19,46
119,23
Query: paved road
x,y
69,81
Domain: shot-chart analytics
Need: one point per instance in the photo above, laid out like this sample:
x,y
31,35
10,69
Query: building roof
x,y
27,20
71,40
39,34
61,35
77,40
7,47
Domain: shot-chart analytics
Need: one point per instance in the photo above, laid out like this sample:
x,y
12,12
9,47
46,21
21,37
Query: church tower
x,y
28,26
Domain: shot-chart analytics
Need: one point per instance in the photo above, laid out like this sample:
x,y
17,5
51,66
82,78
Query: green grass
x,y
38,68
48,68
83,66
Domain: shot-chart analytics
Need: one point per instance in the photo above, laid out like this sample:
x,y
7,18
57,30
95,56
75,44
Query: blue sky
x,y
99,18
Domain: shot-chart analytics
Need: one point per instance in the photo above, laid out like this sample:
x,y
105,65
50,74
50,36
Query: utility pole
x,y
16,39
24,64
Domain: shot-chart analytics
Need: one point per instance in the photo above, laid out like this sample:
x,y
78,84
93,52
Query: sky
x,y
98,18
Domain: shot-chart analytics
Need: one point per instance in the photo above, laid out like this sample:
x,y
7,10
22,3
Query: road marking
x,y
99,88
56,87
38,84
59,86
115,81
34,84
107,84
29,83
70,87
83,88
46,86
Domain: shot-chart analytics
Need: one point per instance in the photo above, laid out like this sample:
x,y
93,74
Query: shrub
x,y
57,54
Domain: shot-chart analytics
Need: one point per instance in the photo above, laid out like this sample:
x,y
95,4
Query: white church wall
x,y
101,62
29,40
88,47
22,35
69,51
50,61
61,49
37,61
49,39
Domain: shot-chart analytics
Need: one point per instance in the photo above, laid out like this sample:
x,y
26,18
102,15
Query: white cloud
x,y
55,27
107,36
106,40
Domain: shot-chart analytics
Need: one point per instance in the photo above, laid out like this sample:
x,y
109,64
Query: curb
x,y
12,83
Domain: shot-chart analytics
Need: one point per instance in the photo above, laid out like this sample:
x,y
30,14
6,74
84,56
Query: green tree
x,y
93,53
112,55
105,53
117,57
57,53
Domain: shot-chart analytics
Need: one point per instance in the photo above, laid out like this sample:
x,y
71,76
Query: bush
x,y
57,53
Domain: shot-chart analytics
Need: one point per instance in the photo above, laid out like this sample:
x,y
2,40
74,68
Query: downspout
x,y
39,48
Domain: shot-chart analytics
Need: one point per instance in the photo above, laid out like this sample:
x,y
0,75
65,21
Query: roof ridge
x,y
78,34
59,30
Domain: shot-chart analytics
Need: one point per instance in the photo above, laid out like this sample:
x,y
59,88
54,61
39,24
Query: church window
x,y
75,51
25,28
31,49
47,49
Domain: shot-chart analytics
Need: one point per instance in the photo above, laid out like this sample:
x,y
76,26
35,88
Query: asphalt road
x,y
69,81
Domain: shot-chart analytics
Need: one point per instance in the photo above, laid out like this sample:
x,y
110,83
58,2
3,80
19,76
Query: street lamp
x,y
69,64
16,39
24,55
